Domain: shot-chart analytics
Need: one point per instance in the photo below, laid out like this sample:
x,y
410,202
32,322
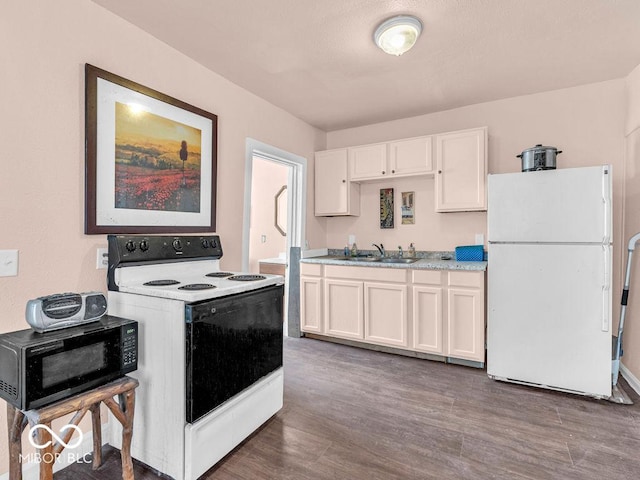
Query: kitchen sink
x,y
359,259
375,259
397,260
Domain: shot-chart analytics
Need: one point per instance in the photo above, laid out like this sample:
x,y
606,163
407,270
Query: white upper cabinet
x,y
408,157
411,156
334,193
368,162
461,171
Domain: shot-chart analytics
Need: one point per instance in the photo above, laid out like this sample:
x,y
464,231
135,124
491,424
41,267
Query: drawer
x,y
366,273
466,279
431,277
311,269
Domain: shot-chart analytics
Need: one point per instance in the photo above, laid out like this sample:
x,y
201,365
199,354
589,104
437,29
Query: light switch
x,y
8,263
102,258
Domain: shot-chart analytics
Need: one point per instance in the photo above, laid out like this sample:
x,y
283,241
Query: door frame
x,y
296,218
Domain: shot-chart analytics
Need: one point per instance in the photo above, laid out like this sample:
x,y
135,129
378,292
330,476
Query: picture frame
x,y
386,208
408,208
150,160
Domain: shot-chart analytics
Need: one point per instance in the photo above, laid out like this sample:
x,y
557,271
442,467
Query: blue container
x,y
470,253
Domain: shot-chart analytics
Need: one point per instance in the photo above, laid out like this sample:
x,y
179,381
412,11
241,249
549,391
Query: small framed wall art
x,y
407,208
386,208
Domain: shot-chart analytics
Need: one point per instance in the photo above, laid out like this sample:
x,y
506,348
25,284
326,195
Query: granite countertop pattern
x,y
427,260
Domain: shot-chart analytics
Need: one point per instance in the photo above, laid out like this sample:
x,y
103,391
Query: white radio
x,y
63,310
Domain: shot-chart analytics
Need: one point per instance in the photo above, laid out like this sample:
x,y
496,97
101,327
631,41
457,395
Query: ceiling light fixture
x,y
397,35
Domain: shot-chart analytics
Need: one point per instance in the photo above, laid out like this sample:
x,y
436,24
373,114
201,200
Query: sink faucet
x,y
380,248
400,251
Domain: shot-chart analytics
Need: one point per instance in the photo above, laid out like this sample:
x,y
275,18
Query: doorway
x,y
269,210
294,226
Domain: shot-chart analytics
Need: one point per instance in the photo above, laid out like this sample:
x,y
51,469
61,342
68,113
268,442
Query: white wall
x,y
44,46
631,337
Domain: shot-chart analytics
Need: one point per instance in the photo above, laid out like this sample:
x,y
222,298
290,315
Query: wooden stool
x,y
82,403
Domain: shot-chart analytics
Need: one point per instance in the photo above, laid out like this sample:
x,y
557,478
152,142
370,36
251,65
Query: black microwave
x,y
40,368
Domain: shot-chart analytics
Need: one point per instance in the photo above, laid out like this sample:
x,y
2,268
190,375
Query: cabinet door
x,y
343,315
465,335
411,156
368,162
334,194
385,313
461,164
311,304
427,319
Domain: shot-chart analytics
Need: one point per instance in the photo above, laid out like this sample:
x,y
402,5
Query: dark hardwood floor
x,y
356,414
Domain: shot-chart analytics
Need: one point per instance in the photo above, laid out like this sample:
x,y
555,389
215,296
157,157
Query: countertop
x,y
426,261
276,260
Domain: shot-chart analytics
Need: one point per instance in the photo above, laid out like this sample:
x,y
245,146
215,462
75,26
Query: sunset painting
x,y
157,162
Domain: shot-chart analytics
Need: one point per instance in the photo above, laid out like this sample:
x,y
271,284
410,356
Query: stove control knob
x,y
144,245
177,245
205,243
130,246
214,244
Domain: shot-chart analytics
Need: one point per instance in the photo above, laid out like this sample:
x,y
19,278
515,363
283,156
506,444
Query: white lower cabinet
x,y
311,295
385,313
427,312
448,313
311,304
440,312
343,308
465,315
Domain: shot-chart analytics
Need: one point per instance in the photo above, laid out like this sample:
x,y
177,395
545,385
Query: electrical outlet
x,y
8,263
102,258
263,239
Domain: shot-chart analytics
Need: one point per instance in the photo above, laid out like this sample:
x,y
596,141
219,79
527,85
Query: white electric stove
x,y
210,355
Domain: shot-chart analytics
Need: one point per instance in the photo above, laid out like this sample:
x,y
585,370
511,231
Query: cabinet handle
x,y
344,181
393,171
383,172
439,171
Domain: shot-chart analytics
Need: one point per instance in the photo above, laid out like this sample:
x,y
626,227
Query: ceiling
x,y
316,58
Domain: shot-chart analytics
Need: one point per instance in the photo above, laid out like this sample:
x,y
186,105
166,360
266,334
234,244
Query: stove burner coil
x,y
161,283
219,274
246,278
197,286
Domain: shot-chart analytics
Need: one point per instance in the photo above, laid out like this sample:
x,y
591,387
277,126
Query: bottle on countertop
x,y
354,250
411,250
400,254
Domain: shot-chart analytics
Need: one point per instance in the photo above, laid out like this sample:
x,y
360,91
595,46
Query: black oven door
x,y
231,342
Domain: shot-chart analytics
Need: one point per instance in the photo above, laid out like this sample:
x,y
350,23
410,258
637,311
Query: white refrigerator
x,y
549,279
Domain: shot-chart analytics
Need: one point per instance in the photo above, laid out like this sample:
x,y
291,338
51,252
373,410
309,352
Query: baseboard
x,y
630,378
31,470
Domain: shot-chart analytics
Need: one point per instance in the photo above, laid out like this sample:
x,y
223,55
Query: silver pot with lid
x,y
539,158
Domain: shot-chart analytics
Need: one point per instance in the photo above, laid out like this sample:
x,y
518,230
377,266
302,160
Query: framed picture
x,y
151,160
386,208
407,208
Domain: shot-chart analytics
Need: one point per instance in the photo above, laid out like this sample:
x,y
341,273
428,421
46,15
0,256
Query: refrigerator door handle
x,y
606,199
606,297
